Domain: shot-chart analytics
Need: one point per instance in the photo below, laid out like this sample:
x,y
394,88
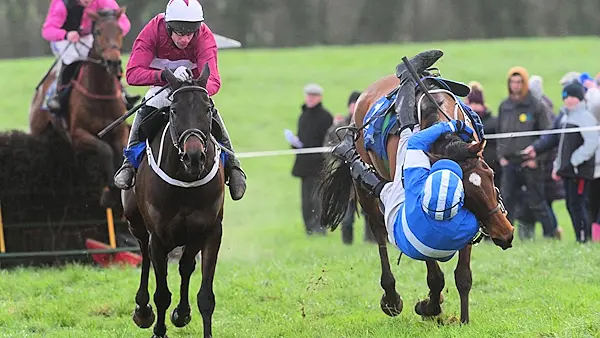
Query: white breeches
x,y
392,195
71,52
159,101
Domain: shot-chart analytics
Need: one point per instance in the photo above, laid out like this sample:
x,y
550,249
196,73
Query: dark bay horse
x,y
178,201
95,99
481,196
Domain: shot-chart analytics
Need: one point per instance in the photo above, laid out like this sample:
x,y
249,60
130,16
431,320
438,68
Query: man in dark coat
x,y
313,124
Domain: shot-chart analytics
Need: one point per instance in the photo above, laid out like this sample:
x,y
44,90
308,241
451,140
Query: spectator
x,y
568,78
331,140
592,94
476,101
575,162
517,113
553,190
312,127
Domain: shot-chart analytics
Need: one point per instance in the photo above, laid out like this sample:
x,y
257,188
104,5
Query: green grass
x,y
269,273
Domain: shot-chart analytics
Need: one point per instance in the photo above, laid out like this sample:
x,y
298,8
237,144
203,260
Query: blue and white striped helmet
x,y
444,194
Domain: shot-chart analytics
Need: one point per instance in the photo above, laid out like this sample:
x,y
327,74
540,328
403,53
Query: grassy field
x,y
271,280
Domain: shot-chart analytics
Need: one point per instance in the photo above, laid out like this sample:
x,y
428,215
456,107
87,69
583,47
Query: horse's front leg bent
x,y
464,280
435,280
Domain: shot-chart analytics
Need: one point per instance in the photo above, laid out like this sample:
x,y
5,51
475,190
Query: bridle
x,y
179,140
100,60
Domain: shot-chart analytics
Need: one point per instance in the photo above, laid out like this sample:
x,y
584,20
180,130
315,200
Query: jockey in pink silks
x,y
179,40
68,29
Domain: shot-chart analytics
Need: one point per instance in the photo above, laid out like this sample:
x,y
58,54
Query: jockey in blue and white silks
x,y
424,215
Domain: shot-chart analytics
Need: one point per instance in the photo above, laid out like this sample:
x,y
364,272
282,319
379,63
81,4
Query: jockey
x,y
423,206
180,41
68,29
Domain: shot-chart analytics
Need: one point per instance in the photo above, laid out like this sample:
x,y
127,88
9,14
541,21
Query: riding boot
x,y
54,102
420,62
405,104
359,170
125,176
233,169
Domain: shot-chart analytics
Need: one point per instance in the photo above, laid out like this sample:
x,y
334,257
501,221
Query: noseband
x,y
179,140
499,208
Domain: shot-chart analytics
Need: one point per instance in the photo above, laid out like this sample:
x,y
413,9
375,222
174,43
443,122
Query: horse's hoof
x,y
392,308
422,309
180,321
143,317
163,336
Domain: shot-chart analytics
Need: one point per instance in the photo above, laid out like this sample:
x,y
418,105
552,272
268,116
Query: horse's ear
x,y
202,80
171,79
93,15
477,148
121,11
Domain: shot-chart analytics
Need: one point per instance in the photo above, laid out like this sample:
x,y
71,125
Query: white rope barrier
x,y
316,150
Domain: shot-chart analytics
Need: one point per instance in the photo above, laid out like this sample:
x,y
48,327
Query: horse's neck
x,y
170,162
96,79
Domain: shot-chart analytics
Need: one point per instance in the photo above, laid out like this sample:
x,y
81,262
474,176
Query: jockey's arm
x,y
123,19
52,27
416,164
138,71
207,52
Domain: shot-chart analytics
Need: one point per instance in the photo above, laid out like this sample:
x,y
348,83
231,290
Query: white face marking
x,y
475,179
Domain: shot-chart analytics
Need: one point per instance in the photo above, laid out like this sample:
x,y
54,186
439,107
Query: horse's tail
x,y
336,190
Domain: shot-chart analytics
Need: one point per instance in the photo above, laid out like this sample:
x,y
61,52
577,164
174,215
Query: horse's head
x,y
108,39
482,197
190,120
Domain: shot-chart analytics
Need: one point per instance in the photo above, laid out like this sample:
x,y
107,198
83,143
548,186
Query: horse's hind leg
x,y
391,302
206,297
162,295
435,280
181,315
464,280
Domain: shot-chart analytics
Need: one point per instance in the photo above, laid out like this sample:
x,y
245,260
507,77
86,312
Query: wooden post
x,y
2,244
111,228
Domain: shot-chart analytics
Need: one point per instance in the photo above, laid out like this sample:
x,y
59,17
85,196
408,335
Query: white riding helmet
x,y
184,16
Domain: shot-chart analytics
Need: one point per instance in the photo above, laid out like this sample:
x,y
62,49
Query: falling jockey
x,y
424,206
68,29
180,41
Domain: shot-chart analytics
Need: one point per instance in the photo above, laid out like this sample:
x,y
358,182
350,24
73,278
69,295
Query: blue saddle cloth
x,y
382,120
135,154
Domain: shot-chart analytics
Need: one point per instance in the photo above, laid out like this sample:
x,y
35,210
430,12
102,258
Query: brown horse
x,y
482,199
95,100
178,201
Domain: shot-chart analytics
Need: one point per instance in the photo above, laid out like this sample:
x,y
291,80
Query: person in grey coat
x,y
575,161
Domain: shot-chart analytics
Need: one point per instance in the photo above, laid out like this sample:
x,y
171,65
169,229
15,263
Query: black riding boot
x,y
129,100
405,104
125,176
233,169
54,102
359,170
420,62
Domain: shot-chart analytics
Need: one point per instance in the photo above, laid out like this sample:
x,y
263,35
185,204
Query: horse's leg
x,y
206,297
143,316
435,280
181,315
162,295
391,302
464,279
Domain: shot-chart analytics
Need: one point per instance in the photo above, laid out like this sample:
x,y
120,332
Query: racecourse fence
x,y
49,199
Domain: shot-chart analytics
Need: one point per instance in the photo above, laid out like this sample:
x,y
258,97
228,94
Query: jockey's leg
x,y
359,170
54,99
125,175
420,62
237,177
405,105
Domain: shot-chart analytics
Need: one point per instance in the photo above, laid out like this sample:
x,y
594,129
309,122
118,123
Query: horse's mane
x,y
448,145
